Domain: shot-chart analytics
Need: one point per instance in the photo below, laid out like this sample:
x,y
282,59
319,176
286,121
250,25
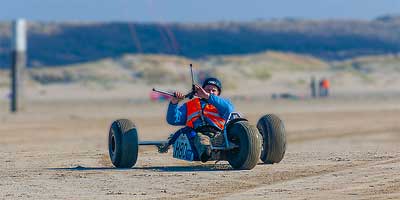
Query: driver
x,y
199,115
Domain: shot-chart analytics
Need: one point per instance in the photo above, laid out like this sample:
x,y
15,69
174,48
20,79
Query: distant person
x,y
203,116
313,87
320,88
324,87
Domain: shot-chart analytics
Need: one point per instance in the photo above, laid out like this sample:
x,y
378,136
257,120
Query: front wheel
x,y
123,143
273,134
248,140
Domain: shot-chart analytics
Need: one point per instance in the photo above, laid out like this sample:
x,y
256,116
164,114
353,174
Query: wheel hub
x,y
113,144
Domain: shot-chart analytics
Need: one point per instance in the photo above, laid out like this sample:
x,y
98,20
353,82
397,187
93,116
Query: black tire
x,y
249,142
123,143
273,134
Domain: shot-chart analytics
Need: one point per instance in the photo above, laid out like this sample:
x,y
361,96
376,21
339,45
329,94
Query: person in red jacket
x,y
324,87
199,115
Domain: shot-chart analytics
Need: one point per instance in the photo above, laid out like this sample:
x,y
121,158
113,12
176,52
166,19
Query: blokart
x,y
243,144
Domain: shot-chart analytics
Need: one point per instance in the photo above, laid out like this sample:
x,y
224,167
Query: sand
x,y
338,148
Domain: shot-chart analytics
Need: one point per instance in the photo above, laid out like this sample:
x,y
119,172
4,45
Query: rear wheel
x,y
246,137
123,143
274,138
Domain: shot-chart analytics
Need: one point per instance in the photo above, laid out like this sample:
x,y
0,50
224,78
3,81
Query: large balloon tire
x,y
123,143
246,156
272,129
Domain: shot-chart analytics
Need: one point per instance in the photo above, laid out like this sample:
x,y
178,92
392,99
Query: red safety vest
x,y
194,113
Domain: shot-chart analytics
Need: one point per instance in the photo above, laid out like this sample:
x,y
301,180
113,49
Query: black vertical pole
x,y
18,64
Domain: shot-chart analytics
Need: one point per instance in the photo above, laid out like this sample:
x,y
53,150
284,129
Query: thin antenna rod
x,y
191,72
193,92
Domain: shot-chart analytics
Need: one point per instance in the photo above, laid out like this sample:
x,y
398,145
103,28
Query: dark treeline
x,y
66,43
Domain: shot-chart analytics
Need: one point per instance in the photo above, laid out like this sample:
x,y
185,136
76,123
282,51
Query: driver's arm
x,y
176,115
224,106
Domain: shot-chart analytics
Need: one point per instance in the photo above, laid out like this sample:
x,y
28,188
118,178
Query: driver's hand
x,y
178,97
201,93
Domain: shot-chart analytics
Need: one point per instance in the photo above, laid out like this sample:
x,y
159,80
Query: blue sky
x,y
193,10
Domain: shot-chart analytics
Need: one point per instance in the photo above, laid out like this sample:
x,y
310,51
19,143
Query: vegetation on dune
x,y
4,80
160,69
368,64
164,69
275,61
100,71
366,67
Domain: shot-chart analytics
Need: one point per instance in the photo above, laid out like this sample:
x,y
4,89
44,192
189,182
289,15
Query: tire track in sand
x,y
366,180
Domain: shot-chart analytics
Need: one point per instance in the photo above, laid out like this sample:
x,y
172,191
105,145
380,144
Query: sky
x,y
193,10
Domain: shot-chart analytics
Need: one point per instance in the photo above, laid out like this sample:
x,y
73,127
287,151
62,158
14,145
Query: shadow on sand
x,y
190,168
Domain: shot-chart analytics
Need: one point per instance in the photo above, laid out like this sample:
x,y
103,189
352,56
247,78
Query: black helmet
x,y
213,81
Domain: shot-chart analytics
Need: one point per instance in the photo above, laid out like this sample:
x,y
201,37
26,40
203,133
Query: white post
x,y
18,52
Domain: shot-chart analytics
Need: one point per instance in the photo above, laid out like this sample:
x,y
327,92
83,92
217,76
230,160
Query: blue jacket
x,y
176,115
